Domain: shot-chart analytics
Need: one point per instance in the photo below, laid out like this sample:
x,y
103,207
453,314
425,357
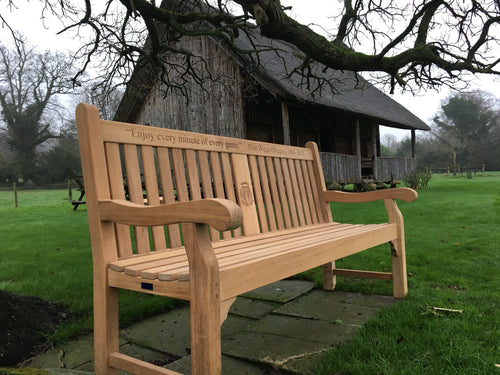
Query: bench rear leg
x,y
329,279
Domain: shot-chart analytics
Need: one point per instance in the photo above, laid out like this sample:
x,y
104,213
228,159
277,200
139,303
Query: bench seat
x,y
296,250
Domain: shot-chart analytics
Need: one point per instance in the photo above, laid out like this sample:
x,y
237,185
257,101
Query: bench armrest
x,y
405,194
221,214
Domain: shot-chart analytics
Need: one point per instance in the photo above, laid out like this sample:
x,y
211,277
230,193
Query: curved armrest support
x,y
405,194
222,214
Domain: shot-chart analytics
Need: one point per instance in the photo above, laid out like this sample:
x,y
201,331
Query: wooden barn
x,y
268,97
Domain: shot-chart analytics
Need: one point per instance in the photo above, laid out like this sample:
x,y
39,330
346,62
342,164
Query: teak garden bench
x,y
251,213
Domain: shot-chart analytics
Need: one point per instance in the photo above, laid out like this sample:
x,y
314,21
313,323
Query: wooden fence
x,y
346,168
340,167
392,168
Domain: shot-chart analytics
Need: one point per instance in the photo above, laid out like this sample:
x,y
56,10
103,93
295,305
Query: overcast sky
x,y
424,105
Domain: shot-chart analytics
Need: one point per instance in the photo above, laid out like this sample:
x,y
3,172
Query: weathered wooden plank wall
x,y
340,167
394,168
215,109
344,168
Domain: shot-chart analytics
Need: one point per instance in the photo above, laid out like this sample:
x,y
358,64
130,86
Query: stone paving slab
x,y
74,354
63,371
282,328
252,308
303,365
320,305
230,366
282,291
326,332
270,350
167,333
371,300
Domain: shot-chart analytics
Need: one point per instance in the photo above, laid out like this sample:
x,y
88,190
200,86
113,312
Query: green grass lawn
x,y
453,257
45,252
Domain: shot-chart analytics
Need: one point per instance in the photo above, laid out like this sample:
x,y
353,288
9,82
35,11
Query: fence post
x,y
14,185
70,193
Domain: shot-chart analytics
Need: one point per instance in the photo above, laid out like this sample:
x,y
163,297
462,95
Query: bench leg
x,y
329,279
205,338
398,254
205,304
399,275
105,329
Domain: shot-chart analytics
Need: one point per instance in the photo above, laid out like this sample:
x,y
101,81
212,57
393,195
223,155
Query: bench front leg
x,y
105,327
204,301
398,253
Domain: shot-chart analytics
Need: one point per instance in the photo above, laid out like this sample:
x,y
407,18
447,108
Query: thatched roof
x,y
274,67
348,91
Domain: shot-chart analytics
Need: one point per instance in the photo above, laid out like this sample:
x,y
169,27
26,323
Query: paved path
x,y
283,328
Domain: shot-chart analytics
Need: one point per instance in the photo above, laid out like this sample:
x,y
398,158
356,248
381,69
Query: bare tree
x,y
391,142
413,44
29,82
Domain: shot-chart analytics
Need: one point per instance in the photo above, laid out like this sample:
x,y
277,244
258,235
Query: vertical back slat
x,y
309,193
115,176
285,206
134,184
259,201
167,190
206,184
271,176
227,176
317,175
292,203
244,192
314,188
152,193
218,182
302,191
179,175
268,202
192,173
296,192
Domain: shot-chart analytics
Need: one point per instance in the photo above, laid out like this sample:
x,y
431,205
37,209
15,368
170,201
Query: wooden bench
x,y
252,213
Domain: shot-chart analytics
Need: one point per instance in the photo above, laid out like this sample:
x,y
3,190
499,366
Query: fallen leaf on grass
x,y
447,310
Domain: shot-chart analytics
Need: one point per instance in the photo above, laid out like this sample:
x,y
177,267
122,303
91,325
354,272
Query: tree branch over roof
x,y
421,43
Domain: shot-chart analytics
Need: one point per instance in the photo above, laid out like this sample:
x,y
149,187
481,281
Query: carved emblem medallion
x,y
246,196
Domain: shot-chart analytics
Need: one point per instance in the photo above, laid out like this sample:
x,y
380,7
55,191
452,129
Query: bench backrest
x,y
276,186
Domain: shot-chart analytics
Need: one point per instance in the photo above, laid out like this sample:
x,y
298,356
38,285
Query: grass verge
x,y
452,242
45,252
452,238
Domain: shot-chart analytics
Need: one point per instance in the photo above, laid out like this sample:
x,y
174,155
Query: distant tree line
x,y
465,135
38,139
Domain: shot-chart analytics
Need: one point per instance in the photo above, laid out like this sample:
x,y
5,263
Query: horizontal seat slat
x,y
237,253
121,264
172,265
270,268
223,250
